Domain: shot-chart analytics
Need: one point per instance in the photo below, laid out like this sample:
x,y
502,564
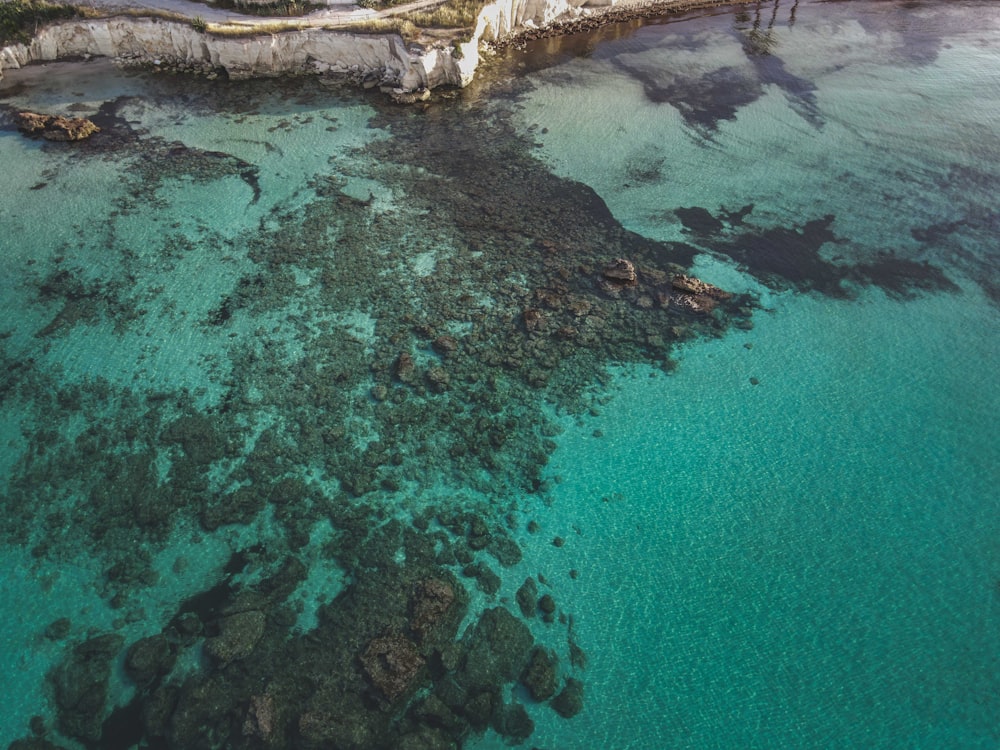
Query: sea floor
x,y
327,423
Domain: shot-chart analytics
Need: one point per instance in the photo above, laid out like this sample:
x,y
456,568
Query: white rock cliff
x,y
312,49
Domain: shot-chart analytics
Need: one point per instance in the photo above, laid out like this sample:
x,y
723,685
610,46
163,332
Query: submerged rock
x,y
150,658
497,651
81,686
526,597
487,581
34,743
56,127
514,723
540,674
392,663
238,634
570,701
432,598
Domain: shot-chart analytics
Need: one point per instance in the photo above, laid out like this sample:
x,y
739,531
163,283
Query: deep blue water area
x,y
641,395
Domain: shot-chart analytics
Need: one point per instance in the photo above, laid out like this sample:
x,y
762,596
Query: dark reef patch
x,y
800,257
703,101
490,294
532,290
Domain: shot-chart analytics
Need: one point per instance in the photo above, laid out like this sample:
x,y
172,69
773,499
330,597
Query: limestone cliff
x,y
304,50
242,57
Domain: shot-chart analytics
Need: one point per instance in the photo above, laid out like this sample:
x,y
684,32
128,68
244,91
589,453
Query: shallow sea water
x,y
778,525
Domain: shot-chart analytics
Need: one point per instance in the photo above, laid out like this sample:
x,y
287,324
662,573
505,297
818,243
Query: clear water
x,y
788,539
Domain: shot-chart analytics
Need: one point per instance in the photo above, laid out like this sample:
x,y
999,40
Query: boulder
x,y
260,719
621,272
488,581
692,285
405,367
497,650
533,319
514,723
445,345
692,295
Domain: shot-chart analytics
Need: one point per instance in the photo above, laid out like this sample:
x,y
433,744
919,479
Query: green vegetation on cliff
x,y
290,8
20,19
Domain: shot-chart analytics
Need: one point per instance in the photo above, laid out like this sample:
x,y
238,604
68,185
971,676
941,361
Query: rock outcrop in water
x,y
56,127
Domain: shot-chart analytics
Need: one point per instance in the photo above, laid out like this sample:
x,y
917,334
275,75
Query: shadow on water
x,y
803,257
760,36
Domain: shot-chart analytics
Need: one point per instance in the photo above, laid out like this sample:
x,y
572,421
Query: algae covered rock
x,y
498,648
540,674
526,597
432,598
391,664
150,658
81,686
570,701
238,634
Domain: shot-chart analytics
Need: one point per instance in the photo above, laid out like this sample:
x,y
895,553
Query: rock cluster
x,y
649,288
56,127
535,288
694,295
169,64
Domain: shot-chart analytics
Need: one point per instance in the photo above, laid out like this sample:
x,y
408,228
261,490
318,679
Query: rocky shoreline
x,y
385,60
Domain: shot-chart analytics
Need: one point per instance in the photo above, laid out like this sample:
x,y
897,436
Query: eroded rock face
x,y
620,271
391,663
693,295
56,127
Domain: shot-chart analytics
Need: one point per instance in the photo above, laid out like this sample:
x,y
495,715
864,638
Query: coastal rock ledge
x,y
386,58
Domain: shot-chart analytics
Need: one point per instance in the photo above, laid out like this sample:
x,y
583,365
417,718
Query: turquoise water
x,y
772,526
